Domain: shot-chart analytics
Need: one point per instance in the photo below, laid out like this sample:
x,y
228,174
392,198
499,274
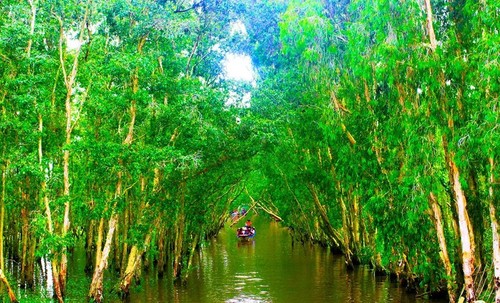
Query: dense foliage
x,y
116,131
390,125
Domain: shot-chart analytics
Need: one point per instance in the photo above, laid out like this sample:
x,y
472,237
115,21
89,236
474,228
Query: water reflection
x,y
246,299
246,243
267,268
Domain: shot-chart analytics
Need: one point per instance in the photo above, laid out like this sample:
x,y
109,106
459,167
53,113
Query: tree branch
x,y
184,10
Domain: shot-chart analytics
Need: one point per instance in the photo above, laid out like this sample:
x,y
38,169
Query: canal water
x,y
270,269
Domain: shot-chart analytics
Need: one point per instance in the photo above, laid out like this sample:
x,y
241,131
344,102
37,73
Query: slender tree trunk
x,y
100,236
332,233
136,253
89,246
29,272
128,141
495,235
4,167
196,240
66,222
25,242
32,26
48,212
4,280
346,235
26,274
162,255
179,240
125,248
134,261
96,288
2,213
117,251
179,235
69,81
430,27
29,241
355,214
465,232
437,218
476,217
55,280
25,230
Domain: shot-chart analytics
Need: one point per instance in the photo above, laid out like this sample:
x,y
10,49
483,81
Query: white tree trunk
x,y
467,250
495,236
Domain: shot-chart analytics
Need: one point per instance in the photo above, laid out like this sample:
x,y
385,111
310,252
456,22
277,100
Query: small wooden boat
x,y
245,232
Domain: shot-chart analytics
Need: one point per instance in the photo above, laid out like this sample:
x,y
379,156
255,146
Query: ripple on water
x,y
247,299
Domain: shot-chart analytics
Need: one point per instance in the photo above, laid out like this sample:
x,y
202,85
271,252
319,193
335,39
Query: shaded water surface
x,y
271,269
266,269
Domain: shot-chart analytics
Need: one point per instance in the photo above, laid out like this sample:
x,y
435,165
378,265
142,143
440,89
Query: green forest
x,y
373,129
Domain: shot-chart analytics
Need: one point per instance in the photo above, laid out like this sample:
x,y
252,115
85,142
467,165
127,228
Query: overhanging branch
x,y
194,6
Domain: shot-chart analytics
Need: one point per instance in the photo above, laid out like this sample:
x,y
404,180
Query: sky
x,y
238,67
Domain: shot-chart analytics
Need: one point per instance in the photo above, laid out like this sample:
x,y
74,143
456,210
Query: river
x,y
266,269
270,269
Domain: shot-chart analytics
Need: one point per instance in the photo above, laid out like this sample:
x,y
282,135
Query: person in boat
x,y
234,214
246,231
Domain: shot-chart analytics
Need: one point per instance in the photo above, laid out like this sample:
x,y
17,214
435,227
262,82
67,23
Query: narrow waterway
x,y
270,269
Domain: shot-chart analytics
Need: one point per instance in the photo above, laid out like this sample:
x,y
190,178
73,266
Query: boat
x,y
245,232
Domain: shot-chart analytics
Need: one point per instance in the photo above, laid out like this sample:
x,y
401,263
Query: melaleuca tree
x,y
390,86
147,126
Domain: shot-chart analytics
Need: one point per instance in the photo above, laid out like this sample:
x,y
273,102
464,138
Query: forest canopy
x,y
372,128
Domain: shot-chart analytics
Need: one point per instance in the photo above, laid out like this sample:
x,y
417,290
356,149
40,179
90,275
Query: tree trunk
x,y
26,244
100,237
134,261
3,278
2,213
476,217
125,248
55,279
346,235
465,232
96,288
32,27
430,27
69,81
48,212
117,251
29,272
495,235
29,246
179,233
179,240
437,218
355,214
162,255
196,240
332,233
90,246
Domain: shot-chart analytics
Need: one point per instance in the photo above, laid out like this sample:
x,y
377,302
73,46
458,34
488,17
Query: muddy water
x,y
266,269
270,269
